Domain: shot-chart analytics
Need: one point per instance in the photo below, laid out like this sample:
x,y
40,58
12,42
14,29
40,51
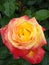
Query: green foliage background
x,y
16,8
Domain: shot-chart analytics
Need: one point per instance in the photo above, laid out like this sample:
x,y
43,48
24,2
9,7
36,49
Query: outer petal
x,y
9,46
44,29
17,19
16,52
35,57
25,17
42,39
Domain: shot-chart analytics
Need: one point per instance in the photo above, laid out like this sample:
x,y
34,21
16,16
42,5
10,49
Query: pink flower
x,y
24,38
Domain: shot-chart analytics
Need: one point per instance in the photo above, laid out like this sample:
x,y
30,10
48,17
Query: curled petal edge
x,y
35,57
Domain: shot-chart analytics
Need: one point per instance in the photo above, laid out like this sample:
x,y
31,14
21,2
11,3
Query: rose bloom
x,y
24,38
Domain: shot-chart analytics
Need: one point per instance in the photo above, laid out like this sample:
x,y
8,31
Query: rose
x,y
24,38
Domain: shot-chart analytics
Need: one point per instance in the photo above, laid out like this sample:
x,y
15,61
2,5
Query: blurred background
x,y
16,8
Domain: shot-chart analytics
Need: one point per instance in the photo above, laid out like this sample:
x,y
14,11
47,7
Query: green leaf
x,y
46,34
31,2
45,59
47,46
45,24
1,7
4,20
1,62
4,53
9,8
12,61
28,12
22,62
42,14
1,44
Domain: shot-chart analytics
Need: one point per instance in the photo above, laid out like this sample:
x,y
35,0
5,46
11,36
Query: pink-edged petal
x,y
40,33
38,45
35,57
16,52
33,20
44,29
18,19
25,17
7,44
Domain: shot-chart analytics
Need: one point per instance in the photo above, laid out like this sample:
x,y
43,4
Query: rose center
x,y
24,32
